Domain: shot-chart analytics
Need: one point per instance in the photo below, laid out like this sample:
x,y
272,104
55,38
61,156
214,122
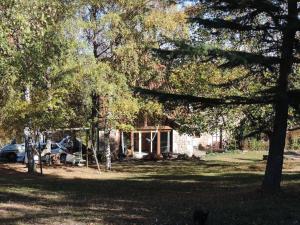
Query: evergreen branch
x,y
228,5
229,24
235,58
196,101
200,102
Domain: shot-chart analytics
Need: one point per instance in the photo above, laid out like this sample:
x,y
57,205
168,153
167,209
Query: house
x,y
150,137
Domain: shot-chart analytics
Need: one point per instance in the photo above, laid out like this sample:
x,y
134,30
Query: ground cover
x,y
163,192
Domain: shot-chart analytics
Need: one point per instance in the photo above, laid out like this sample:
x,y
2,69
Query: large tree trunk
x,y
273,172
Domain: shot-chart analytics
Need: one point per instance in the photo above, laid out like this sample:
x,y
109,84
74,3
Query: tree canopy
x,y
262,37
79,63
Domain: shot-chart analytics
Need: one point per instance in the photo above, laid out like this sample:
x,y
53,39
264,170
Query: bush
x,y
257,145
183,157
295,144
167,155
152,156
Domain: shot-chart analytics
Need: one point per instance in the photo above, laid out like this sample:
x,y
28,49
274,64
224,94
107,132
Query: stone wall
x,y
192,145
184,144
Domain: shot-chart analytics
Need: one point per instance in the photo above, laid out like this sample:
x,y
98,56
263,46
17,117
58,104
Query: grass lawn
x,y
163,192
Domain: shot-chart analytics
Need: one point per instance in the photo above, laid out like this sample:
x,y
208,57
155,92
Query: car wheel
x,y
63,158
12,157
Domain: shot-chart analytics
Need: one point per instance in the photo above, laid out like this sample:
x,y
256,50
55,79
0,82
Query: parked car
x,y
61,153
67,142
11,151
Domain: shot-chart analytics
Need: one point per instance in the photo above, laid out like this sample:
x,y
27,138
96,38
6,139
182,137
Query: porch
x,y
147,140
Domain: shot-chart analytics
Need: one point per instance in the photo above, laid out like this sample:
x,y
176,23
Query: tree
x,y
240,122
262,37
33,50
275,23
119,107
120,34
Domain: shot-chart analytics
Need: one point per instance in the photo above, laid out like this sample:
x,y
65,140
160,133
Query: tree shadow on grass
x,y
250,160
151,199
177,166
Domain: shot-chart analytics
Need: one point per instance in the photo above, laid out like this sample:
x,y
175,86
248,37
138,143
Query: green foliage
x,y
208,80
151,108
123,33
119,35
35,48
224,58
254,144
294,144
89,77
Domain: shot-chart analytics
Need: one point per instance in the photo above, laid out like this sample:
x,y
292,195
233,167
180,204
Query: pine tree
x,y
261,36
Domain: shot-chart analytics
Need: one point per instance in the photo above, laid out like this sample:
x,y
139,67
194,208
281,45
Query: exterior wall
x,y
184,144
191,145
180,143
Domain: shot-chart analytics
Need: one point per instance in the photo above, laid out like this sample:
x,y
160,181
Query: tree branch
x,y
198,102
229,24
235,58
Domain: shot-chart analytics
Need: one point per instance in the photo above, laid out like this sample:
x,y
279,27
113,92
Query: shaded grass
x,y
151,193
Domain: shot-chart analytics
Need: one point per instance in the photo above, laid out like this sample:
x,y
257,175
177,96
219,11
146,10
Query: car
x,y
60,153
64,156
11,151
66,142
57,152
21,157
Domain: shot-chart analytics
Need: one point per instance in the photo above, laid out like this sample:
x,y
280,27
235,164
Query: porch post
x,y
122,142
168,141
151,142
140,143
158,144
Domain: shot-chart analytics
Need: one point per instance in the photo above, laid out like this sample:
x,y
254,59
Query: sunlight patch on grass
x,y
236,156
